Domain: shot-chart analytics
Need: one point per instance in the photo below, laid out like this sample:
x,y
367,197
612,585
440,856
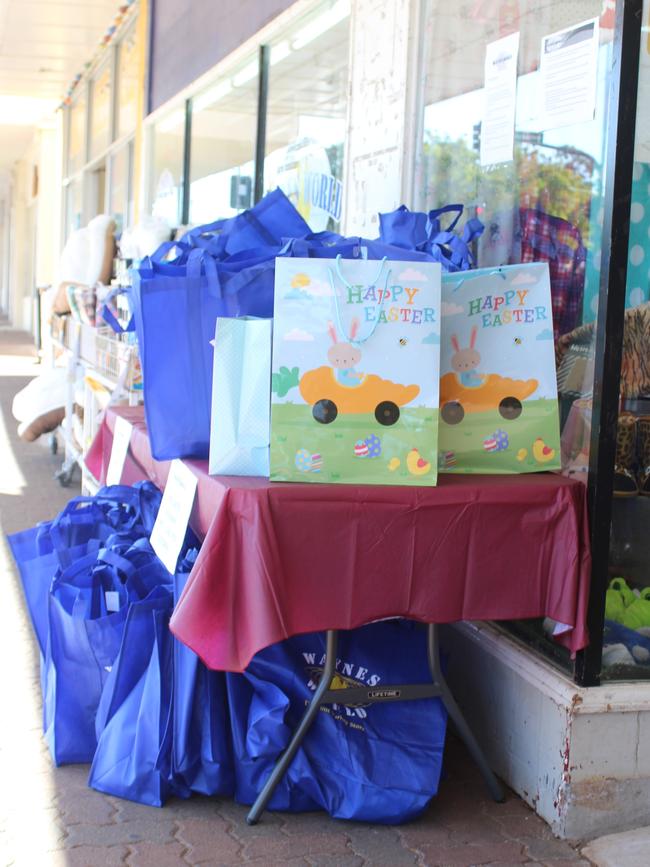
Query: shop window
x,y
528,161
224,118
127,83
166,171
305,131
626,639
101,110
121,187
77,133
73,207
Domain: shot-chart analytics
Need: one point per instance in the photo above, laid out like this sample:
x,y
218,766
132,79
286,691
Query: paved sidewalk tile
x,y
50,818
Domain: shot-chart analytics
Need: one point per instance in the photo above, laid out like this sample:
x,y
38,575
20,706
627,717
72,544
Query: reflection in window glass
x,y
121,203
73,207
77,133
100,116
306,114
626,641
224,118
166,174
127,83
546,202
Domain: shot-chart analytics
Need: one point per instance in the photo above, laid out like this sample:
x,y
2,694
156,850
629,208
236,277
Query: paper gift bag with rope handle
x,y
498,389
355,373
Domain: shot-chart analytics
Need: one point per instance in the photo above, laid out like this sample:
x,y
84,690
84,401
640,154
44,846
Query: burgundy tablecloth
x,y
280,559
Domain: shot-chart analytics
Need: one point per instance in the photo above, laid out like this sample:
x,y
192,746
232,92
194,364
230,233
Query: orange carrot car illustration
x,y
328,397
494,392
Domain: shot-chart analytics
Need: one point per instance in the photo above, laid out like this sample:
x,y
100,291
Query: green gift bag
x,y
355,380
498,389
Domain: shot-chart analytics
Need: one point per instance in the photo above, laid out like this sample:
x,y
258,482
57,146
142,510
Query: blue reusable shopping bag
x,y
85,524
375,763
87,607
201,744
133,717
417,231
162,722
263,225
176,307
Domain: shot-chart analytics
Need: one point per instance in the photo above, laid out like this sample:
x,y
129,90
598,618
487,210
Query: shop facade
x,y
353,108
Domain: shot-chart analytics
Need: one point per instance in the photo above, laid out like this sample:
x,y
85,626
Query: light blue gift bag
x,y
241,398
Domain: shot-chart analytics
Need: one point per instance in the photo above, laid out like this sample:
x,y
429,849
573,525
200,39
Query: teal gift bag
x,y
498,389
354,389
241,383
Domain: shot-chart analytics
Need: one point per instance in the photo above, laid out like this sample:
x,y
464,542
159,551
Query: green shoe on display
x,y
637,615
620,586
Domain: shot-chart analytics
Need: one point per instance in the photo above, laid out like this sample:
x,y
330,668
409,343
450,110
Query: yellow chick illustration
x,y
522,454
416,464
300,280
393,464
541,452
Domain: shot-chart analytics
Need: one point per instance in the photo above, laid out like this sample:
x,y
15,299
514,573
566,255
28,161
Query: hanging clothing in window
x,y
545,238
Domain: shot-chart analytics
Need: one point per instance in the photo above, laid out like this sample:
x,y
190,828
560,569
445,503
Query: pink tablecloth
x,y
280,559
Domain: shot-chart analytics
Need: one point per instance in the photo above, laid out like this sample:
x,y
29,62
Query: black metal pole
x,y
262,105
187,164
622,100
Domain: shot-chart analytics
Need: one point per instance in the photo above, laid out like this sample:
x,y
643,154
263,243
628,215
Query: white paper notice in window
x,y
568,75
498,125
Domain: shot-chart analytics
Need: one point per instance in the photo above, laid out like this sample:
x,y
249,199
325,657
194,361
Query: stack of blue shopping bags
x,y
120,692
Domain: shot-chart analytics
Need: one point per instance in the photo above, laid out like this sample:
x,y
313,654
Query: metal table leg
x,y
454,712
438,688
299,735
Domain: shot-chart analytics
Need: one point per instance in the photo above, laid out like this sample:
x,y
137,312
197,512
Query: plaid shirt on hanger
x,y
551,239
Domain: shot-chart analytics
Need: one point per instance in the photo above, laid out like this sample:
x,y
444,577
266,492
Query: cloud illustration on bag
x,y
297,334
412,274
319,289
450,309
523,279
297,295
546,334
431,338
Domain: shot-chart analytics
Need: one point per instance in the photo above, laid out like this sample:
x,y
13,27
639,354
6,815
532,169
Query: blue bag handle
x,y
194,237
198,262
166,247
109,317
433,217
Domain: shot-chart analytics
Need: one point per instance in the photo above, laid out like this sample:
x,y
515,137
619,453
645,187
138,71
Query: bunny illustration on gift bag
x,y
345,356
465,361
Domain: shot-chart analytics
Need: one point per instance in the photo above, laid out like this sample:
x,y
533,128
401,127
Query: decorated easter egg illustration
x,y
490,444
373,444
449,459
316,463
361,449
393,464
522,454
502,440
303,460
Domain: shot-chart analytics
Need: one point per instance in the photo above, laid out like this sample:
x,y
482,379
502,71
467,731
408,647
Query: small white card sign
x,y
174,514
121,440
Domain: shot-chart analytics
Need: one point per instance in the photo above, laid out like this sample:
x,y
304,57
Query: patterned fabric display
x,y
551,239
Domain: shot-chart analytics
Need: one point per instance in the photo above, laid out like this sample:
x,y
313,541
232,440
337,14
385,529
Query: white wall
x,y
34,233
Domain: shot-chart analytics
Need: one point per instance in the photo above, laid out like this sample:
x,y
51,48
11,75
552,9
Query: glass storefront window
x,y
101,110
222,150
166,167
121,187
305,133
127,83
626,640
77,133
73,207
536,178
